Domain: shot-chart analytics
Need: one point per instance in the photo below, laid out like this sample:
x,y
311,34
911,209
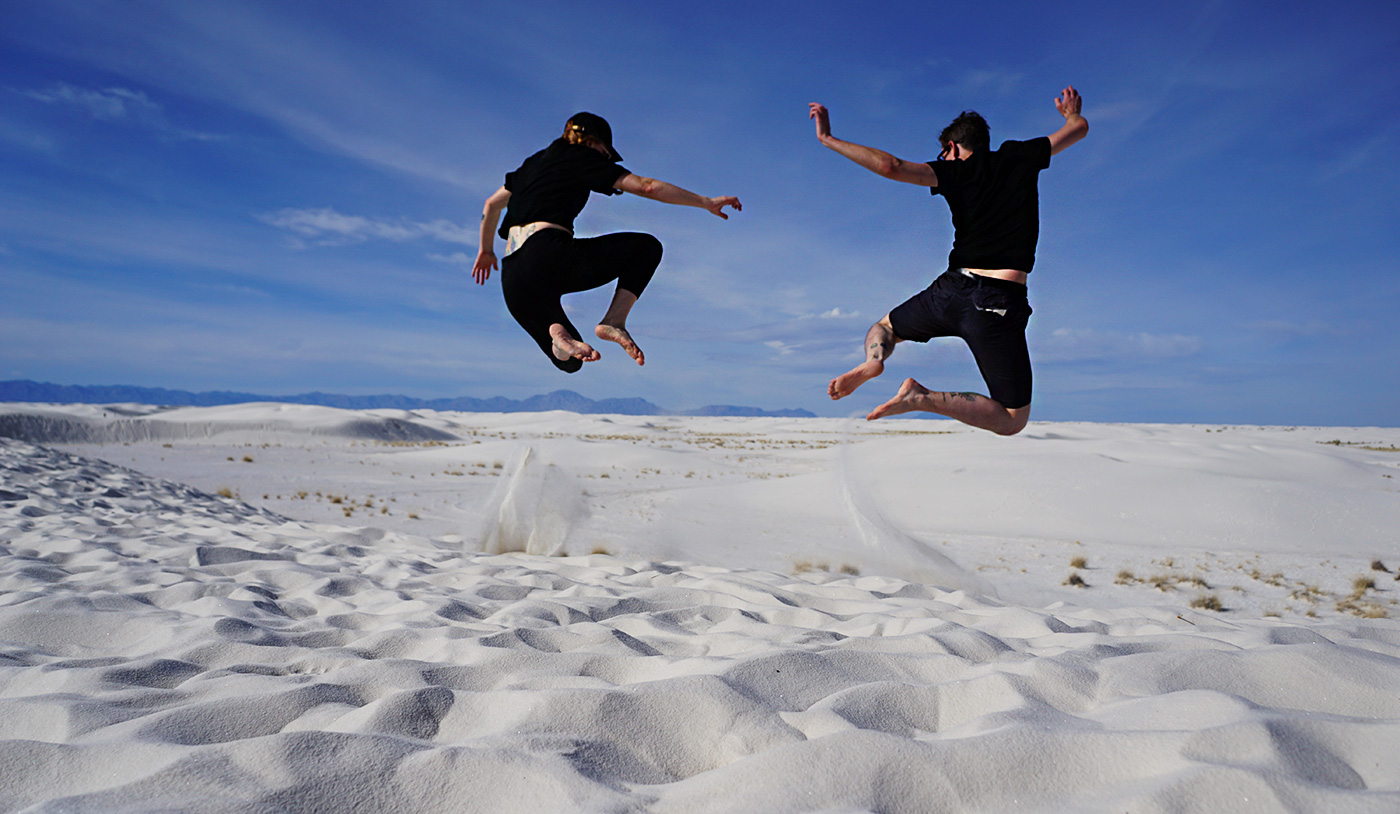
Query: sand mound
x,y
162,648
39,427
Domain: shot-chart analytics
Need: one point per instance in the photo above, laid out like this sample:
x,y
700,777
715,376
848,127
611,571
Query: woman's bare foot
x,y
618,334
847,382
566,347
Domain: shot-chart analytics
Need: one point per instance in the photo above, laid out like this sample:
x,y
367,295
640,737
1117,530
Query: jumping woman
x,y
544,260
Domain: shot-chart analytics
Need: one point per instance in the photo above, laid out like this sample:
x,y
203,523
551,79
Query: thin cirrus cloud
x,y
1086,344
327,227
106,104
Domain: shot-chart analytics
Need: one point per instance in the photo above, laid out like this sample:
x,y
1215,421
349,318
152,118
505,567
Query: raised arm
x,y
877,161
1076,126
672,194
490,218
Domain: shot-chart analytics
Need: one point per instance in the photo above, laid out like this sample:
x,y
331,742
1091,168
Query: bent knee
x,y
1015,421
652,249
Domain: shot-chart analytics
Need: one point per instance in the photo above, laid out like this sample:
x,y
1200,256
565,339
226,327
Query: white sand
x,y
792,614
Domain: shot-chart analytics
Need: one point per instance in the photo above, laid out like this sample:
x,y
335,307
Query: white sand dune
x,y
163,647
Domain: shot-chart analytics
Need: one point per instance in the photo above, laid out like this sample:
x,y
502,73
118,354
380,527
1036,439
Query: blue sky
x,y
283,197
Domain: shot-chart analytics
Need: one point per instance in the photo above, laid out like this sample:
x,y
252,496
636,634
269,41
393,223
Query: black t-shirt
x,y
995,205
553,184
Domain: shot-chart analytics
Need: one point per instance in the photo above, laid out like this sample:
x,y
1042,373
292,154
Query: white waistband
x,y
517,235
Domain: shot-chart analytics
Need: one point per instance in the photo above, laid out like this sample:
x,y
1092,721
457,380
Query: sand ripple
x,y
166,649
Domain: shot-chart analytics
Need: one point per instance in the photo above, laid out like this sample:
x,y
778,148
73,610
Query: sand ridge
x,y
159,639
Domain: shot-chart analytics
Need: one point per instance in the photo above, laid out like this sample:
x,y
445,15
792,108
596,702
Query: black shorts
x,y
987,313
552,263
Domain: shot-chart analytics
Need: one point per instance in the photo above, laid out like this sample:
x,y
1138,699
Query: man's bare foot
x,y
566,347
847,382
618,334
909,399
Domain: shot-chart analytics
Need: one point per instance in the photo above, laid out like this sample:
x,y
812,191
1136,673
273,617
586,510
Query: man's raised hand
x,y
819,114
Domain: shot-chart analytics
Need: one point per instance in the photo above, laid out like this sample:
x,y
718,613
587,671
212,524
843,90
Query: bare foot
x,y
618,334
847,382
907,400
566,346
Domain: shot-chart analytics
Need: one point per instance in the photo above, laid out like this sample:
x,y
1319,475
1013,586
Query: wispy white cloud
x,y
331,228
1084,344
119,106
984,83
106,104
1308,329
456,259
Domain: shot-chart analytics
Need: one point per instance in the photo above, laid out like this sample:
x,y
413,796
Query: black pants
x,y
553,263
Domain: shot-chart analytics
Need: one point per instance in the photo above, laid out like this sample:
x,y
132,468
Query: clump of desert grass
x,y
1170,581
810,566
1209,602
1361,585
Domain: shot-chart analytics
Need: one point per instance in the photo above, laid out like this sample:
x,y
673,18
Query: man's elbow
x,y
888,167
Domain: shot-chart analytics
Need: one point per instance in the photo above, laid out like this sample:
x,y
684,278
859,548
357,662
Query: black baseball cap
x,y
596,126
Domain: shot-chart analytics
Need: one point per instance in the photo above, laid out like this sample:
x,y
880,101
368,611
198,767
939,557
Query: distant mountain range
x,y
28,391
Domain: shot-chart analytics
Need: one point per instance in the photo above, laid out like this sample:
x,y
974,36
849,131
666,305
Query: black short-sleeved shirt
x,y
995,205
553,184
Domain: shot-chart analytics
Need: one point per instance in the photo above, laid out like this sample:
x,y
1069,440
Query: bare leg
x,y
969,408
613,328
565,346
879,344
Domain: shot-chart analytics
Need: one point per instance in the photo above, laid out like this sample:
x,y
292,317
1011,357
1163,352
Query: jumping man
x,y
981,298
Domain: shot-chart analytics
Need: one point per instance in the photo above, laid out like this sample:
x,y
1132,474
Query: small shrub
x,y
1207,602
1076,581
1361,585
1079,562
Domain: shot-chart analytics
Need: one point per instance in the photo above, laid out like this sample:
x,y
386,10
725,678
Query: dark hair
x,y
968,129
585,127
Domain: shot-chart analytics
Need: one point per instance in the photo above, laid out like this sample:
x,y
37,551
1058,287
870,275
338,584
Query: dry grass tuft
x,y
1365,610
1209,602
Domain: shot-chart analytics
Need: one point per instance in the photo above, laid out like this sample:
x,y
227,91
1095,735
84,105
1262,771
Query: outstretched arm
x,y
672,194
877,161
490,218
1076,126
